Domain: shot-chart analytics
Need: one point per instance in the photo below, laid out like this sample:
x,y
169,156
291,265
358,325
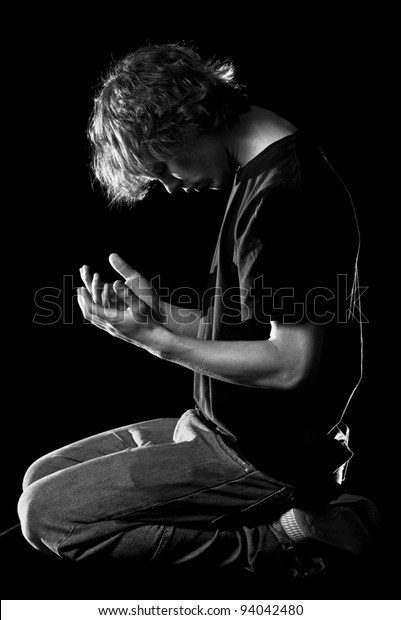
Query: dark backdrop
x,y
68,379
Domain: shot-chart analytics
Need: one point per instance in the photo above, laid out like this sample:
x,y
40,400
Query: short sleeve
x,y
288,258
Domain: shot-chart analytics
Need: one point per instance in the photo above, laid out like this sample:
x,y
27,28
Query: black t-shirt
x,y
286,252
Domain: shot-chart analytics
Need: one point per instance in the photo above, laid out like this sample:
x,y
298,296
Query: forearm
x,y
180,321
289,357
256,363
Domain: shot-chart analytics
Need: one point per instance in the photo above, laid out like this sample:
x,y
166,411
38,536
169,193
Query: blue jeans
x,y
163,490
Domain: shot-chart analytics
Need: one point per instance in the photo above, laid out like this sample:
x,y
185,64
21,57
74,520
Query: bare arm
x,y
180,321
288,359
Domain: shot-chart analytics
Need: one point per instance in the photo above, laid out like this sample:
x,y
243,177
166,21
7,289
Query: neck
x,y
254,132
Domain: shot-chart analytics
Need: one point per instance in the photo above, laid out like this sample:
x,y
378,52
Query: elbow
x,y
292,376
298,353
300,374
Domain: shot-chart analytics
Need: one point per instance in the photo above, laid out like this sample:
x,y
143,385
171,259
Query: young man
x,y
253,469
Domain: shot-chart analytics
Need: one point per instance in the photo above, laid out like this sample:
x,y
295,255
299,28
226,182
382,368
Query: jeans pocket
x,y
227,451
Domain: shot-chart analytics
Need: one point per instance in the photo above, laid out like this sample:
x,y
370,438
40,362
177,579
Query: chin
x,y
218,184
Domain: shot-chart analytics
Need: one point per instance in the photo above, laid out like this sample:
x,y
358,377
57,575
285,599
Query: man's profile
x,y
254,466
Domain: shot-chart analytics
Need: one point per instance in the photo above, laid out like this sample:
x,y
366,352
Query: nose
x,y
171,184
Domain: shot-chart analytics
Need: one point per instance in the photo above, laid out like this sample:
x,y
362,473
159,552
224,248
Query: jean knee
x,y
40,468
35,510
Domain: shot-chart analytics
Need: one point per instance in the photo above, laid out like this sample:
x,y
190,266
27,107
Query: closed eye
x,y
156,171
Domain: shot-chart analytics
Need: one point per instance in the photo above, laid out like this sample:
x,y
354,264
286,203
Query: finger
x,y
125,270
95,313
124,293
86,277
97,287
140,286
110,299
121,304
80,299
139,309
105,297
85,303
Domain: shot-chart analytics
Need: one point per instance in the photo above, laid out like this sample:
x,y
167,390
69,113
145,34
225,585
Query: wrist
x,y
179,320
164,342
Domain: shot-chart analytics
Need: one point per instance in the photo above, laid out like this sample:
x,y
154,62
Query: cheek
x,y
214,168
222,173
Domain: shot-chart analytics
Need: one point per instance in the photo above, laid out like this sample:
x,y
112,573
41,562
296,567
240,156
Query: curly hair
x,y
151,105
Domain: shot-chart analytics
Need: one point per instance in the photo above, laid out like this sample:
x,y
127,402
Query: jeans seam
x,y
282,494
126,447
267,497
181,497
64,540
164,539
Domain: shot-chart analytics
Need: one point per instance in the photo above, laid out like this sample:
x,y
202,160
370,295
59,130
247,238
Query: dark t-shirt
x,y
286,252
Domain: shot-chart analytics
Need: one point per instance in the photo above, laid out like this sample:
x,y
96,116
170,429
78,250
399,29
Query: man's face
x,y
204,165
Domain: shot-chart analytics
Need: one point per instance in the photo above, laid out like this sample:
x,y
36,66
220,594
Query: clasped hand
x,y
128,310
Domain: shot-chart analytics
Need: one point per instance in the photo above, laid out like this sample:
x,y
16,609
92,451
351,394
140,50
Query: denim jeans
x,y
165,490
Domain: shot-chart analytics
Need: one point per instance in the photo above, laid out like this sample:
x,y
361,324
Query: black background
x,y
66,379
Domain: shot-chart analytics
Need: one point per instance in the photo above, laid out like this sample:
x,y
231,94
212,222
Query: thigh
x,y
193,478
149,432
